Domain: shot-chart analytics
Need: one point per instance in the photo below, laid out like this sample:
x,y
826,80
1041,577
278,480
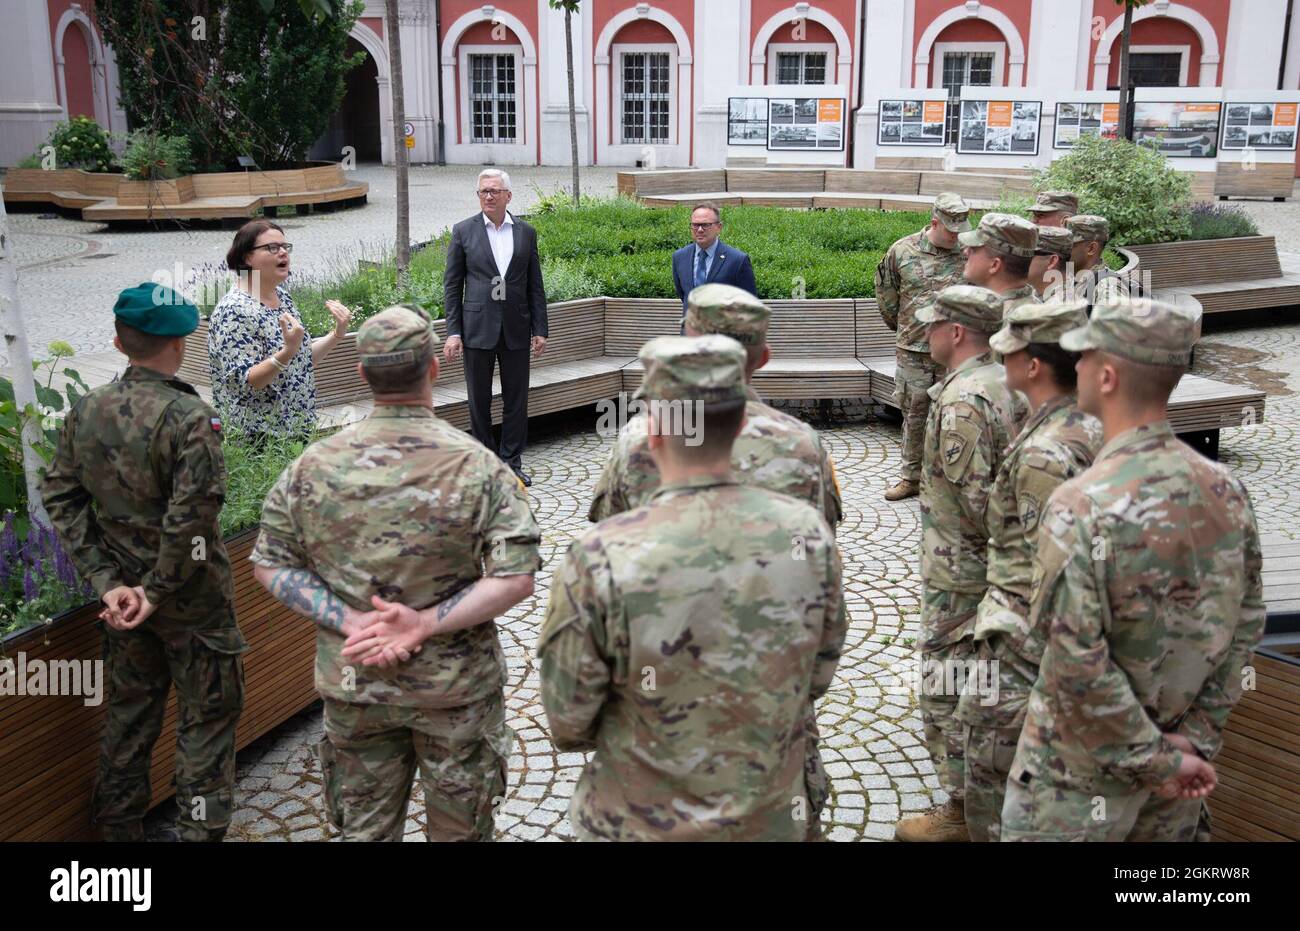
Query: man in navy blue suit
x,y
709,260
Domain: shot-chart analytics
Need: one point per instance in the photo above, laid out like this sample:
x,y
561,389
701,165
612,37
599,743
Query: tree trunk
x,y
400,160
1125,91
573,106
14,330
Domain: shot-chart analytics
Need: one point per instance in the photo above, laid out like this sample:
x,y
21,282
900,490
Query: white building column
x,y
1054,47
1253,48
29,108
554,85
888,66
419,48
716,74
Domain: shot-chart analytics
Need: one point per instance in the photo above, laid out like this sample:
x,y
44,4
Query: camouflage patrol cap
x,y
157,310
693,368
1052,201
971,306
1004,233
952,212
1088,227
731,311
1038,323
1139,329
1054,240
395,336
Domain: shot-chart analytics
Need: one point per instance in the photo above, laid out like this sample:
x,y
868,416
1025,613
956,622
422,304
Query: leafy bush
x,y
251,470
37,578
78,143
1132,186
1220,221
49,403
152,156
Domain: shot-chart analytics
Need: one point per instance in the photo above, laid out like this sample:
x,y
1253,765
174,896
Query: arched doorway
x,y
356,123
78,71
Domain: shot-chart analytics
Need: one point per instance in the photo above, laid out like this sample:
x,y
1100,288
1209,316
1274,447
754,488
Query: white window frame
x,y
942,49
616,53
1184,51
830,49
466,113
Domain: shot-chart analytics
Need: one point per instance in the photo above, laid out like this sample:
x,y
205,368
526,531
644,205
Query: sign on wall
x,y
999,127
911,122
1179,130
1085,119
1260,126
747,121
806,123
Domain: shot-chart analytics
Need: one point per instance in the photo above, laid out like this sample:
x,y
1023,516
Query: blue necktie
x,y
700,273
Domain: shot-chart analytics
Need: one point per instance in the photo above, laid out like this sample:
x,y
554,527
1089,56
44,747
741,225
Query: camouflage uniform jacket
x,y
135,491
1025,294
774,451
683,642
1149,575
405,506
909,276
1091,285
973,418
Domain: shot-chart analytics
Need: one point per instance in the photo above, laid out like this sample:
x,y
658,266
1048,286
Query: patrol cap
x,y
157,310
1038,323
1139,329
952,212
1088,227
731,311
1052,201
971,306
396,335
1054,240
693,368
1004,233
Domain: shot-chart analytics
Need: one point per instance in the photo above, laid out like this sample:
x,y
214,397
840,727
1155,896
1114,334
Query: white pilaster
x,y
28,105
554,86
1253,49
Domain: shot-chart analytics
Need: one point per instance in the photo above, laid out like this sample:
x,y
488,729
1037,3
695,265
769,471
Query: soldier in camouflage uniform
x,y
1093,281
773,450
1051,260
407,537
913,271
685,639
1149,575
973,418
134,491
999,253
1053,208
1057,443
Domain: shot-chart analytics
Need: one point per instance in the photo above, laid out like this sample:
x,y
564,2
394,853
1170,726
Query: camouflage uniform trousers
x,y
208,671
816,781
913,376
990,750
371,752
1040,811
944,734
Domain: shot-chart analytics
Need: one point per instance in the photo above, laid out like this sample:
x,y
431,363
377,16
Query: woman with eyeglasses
x,y
262,358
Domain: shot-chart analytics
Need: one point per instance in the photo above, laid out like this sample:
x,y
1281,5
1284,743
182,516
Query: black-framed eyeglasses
x,y
703,226
271,248
491,192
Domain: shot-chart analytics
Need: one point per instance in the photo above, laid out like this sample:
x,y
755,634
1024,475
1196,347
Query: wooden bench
x,y
1222,275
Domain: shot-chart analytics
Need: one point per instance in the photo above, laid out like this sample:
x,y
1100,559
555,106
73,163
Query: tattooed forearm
x,y
444,608
306,593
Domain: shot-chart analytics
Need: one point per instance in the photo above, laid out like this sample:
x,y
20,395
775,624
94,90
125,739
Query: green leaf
x,y
48,397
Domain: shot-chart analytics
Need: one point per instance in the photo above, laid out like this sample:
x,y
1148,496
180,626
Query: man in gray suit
x,y
496,310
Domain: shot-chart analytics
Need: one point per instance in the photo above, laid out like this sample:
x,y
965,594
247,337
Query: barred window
x,y
800,67
646,83
492,98
960,69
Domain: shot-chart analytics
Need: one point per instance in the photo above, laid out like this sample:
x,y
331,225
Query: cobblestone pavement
x,y
872,741
71,271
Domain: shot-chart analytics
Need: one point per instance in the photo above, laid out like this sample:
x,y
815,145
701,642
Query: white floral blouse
x,y
241,333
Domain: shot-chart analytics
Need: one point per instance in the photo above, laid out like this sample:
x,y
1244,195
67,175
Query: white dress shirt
x,y
502,241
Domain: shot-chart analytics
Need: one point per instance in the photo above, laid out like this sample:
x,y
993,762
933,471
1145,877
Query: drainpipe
x,y
851,127
1286,41
437,71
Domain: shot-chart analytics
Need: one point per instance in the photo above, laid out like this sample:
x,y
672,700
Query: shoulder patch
x,y
954,446
216,424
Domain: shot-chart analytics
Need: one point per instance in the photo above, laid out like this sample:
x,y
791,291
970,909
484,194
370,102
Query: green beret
x,y
157,310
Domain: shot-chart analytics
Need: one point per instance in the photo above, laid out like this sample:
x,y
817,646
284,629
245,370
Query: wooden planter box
x,y
1258,796
1261,179
49,746
1208,261
169,192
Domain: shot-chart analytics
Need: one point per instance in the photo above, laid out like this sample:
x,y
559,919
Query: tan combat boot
x,y
945,824
905,488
